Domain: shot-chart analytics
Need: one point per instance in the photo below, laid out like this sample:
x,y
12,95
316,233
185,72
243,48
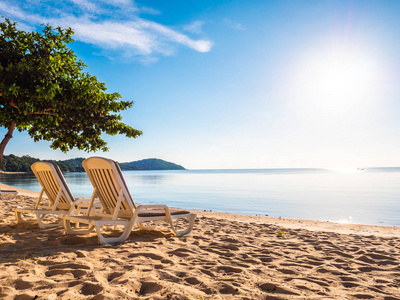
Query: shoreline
x,y
21,192
377,208
11,173
312,225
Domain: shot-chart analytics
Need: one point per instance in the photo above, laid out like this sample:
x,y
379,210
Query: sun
x,y
340,74
337,75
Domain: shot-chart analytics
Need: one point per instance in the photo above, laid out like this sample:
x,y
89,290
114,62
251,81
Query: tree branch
x,y
6,139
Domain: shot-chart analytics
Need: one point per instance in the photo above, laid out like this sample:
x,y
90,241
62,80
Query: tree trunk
x,y
5,141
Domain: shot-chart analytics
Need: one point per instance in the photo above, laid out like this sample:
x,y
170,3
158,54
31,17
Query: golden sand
x,y
225,257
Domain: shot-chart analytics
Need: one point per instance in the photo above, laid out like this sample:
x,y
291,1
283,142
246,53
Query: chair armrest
x,y
81,201
146,206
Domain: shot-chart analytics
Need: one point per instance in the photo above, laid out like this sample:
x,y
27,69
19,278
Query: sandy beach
x,y
225,257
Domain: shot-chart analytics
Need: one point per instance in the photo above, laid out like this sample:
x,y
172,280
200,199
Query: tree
x,y
44,91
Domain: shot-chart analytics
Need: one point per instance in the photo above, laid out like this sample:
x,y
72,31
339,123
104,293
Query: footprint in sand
x,y
231,240
5,291
363,296
208,290
286,271
369,269
22,285
341,253
164,275
251,261
80,254
366,259
220,252
346,278
69,270
181,274
383,281
240,265
167,261
146,255
224,246
74,273
181,252
311,280
91,289
228,289
228,269
114,275
69,266
272,288
24,297
193,281
388,262
148,288
296,265
207,272
74,283
314,263
350,284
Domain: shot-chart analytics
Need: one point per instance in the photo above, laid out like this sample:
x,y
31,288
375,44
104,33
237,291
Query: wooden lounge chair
x,y
8,194
57,191
118,206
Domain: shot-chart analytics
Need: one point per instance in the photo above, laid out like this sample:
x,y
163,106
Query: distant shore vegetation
x,y
13,163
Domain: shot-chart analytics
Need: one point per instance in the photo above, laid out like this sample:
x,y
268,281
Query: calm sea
x,y
370,196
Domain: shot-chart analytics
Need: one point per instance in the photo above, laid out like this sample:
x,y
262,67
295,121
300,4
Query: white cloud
x,y
125,6
119,2
149,10
169,34
140,37
135,36
16,12
234,25
84,4
194,27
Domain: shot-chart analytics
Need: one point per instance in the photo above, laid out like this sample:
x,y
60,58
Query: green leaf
x,y
45,91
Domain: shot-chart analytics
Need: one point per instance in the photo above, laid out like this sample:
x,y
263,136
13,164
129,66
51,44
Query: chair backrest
x,y
52,181
108,182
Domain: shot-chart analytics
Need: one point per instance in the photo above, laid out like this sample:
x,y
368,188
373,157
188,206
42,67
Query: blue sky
x,y
238,84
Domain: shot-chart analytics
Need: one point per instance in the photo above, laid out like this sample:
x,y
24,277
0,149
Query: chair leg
x,y
40,216
191,219
104,240
148,227
67,227
69,230
11,196
18,216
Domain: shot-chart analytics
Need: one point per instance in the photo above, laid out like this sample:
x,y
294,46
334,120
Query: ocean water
x,y
370,196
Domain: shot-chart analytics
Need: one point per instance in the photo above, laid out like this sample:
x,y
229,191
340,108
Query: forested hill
x,y
13,163
150,164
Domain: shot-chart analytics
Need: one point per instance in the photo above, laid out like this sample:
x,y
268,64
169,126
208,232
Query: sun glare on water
x,y
346,170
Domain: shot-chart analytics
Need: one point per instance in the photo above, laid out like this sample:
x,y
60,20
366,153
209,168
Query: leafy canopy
x,y
44,91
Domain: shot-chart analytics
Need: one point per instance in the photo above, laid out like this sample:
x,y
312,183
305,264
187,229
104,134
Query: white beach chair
x,y
118,206
8,194
57,191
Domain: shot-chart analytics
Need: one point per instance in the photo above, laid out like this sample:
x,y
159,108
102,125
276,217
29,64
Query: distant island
x,y
13,163
150,164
